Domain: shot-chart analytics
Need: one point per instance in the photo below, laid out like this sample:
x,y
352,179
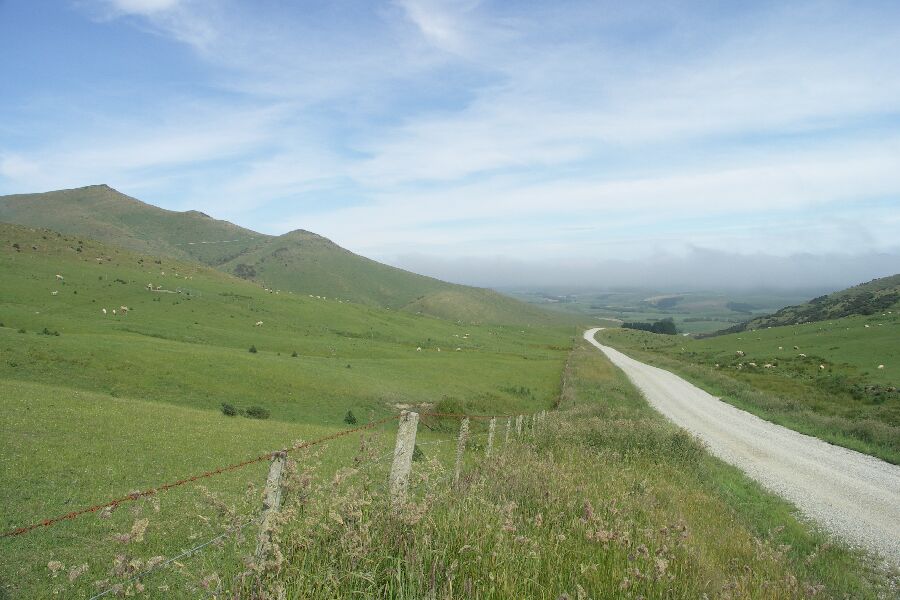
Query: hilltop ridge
x,y
300,261
863,299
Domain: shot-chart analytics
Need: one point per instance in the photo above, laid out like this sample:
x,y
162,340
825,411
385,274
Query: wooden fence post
x,y
519,426
403,455
460,448
271,506
490,444
508,429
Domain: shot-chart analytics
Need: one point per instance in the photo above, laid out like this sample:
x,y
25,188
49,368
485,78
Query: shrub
x,y
350,418
48,332
256,412
229,410
252,350
22,330
418,455
294,354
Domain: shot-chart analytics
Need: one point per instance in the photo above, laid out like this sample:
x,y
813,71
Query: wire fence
x,y
464,438
114,503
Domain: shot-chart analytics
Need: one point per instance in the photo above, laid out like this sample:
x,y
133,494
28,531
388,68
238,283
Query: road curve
x,y
852,495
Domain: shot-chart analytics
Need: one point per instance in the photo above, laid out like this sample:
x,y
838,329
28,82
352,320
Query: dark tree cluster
x,y
665,326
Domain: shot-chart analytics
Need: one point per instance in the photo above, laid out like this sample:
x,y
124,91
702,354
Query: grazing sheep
x,y
459,349
801,355
419,349
780,347
796,347
59,277
740,352
150,286
103,310
717,365
438,349
54,293
114,311
258,324
822,367
866,326
752,364
768,366
880,366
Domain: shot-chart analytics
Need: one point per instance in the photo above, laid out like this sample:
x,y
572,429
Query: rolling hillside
x,y
298,261
865,299
95,404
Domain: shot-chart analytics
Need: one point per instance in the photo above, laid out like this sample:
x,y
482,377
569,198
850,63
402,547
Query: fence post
x,y
403,454
508,429
271,505
491,427
460,448
519,426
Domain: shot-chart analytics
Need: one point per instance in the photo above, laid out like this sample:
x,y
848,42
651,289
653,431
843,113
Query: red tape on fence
x,y
168,486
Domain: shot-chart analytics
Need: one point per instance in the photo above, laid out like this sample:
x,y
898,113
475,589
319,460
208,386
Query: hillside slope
x,y
864,299
298,261
101,213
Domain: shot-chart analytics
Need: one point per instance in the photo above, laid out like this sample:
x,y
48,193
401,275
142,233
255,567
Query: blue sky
x,y
490,142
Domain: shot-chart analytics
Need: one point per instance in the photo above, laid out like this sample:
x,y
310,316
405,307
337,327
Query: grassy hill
x,y
878,295
94,405
101,213
299,261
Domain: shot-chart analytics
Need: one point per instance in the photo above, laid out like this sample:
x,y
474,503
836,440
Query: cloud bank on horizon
x,y
486,142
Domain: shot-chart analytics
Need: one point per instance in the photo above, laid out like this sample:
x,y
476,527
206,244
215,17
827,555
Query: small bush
x,y
256,412
252,350
294,354
418,455
48,332
350,418
22,330
229,410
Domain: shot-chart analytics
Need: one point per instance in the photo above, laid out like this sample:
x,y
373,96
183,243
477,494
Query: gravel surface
x,y
853,495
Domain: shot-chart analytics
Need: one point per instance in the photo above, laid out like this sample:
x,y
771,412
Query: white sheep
x,y
103,310
801,355
780,347
880,366
822,367
459,349
768,366
114,311
438,349
796,347
54,293
752,364
419,349
740,352
59,277
258,324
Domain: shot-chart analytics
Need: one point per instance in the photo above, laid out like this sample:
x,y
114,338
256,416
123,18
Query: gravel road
x,y
853,495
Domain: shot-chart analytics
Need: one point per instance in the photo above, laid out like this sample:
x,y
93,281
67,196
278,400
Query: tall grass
x,y
607,500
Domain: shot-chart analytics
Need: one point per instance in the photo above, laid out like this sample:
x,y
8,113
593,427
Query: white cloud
x,y
141,7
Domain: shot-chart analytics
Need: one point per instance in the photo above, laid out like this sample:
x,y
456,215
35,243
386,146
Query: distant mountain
x,y
864,299
299,261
